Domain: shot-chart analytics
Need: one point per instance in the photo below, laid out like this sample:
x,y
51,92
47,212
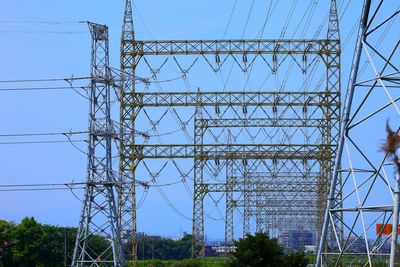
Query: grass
x,y
207,262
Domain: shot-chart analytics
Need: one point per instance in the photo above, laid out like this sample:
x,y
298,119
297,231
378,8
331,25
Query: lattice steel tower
x,y
98,241
360,202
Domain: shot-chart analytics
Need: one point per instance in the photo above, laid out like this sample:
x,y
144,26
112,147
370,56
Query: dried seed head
x,y
392,143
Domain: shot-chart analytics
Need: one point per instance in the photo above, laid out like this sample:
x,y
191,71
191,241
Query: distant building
x,y
141,235
357,245
185,233
297,240
218,250
310,249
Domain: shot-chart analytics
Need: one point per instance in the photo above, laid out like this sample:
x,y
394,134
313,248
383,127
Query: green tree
x,y
56,241
150,247
296,259
28,237
6,243
260,250
257,251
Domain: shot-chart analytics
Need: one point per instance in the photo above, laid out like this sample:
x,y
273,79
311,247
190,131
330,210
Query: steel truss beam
x,y
267,183
176,99
275,204
266,187
233,151
219,47
264,122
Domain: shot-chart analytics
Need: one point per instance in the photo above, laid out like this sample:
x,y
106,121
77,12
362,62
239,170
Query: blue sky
x,y
44,50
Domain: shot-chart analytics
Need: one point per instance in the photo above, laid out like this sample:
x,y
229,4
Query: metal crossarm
x,y
214,47
263,122
236,151
260,98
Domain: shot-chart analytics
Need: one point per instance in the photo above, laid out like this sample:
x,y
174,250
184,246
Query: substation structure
x,y
283,183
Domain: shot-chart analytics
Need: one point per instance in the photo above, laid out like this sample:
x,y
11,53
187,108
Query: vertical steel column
x,y
128,113
261,198
98,220
198,192
230,207
248,205
394,245
331,130
343,131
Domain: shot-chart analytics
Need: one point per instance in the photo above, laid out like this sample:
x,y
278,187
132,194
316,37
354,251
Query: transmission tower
x,y
360,202
307,117
98,241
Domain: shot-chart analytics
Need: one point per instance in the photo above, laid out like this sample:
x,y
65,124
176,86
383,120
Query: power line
x,y
42,88
51,32
43,134
38,189
53,186
230,19
248,18
144,134
42,185
45,80
42,142
40,22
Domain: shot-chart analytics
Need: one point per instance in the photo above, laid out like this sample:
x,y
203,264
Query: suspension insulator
x,y
217,59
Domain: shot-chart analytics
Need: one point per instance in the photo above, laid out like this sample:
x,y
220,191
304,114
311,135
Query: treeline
x,y
31,244
151,247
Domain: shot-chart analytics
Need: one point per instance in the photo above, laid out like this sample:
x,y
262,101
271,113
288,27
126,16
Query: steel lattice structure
x,y
127,194
362,190
277,200
266,195
98,220
308,118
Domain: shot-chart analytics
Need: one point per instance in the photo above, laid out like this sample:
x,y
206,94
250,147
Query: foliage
x,y
257,251
188,263
151,263
34,244
164,248
28,237
297,259
31,244
207,262
57,241
261,251
5,243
